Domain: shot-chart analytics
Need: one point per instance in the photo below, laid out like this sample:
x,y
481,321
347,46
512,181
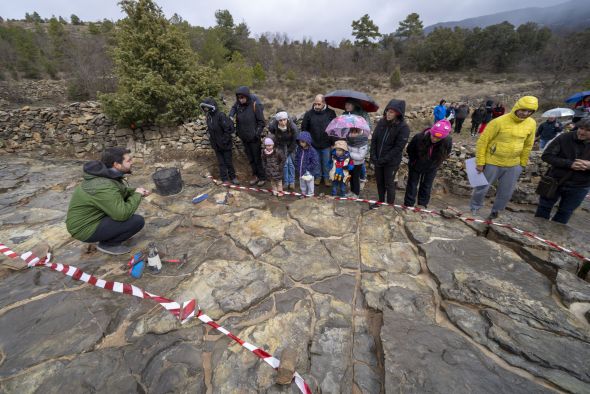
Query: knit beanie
x,y
441,129
268,141
282,115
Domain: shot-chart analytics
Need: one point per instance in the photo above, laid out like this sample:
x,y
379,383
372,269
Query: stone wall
x,y
83,130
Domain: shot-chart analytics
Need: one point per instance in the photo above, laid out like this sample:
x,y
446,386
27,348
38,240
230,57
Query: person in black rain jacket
x,y
389,139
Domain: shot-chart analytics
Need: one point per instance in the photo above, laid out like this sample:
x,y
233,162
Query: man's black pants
x,y
111,232
253,151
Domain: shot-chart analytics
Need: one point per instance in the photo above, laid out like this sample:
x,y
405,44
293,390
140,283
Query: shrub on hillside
x,y
259,74
159,79
395,80
236,73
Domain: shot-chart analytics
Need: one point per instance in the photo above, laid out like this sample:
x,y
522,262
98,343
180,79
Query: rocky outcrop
x,y
372,301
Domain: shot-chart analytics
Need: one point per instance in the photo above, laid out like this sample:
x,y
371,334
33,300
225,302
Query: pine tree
x,y
75,20
410,27
159,79
365,31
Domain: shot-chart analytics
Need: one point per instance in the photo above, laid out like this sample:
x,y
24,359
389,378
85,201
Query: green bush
x,y
236,73
159,79
395,80
258,74
77,91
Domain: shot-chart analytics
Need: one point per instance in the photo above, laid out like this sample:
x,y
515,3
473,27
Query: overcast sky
x,y
316,19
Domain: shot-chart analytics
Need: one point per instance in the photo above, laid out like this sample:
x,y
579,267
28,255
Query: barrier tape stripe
x,y
516,230
184,312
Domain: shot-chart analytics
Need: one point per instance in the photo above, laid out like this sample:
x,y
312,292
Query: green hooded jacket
x,y
101,193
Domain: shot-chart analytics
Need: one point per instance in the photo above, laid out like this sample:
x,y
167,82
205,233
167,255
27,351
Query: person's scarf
x,y
357,141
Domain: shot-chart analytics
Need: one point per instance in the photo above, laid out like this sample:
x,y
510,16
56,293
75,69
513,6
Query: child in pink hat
x,y
426,152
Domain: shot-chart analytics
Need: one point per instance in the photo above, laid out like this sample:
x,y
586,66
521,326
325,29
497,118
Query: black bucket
x,y
168,181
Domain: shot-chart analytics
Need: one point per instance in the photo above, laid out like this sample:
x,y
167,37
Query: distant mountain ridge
x,y
565,17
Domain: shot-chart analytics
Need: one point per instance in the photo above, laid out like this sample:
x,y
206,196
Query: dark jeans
x,y
385,185
111,232
338,188
459,125
569,198
253,151
226,167
420,182
474,128
355,179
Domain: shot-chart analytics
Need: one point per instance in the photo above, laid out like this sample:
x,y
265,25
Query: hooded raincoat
x,y
507,140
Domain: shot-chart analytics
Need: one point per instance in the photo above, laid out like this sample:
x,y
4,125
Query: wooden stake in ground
x,y
287,366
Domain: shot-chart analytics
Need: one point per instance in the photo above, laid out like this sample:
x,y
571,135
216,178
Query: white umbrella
x,y
558,112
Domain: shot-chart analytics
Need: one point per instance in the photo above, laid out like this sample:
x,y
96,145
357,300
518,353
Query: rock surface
x,y
372,301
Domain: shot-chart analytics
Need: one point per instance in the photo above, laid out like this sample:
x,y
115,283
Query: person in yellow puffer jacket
x,y
502,152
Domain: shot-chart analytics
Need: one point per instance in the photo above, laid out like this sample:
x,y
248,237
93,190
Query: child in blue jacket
x,y
307,163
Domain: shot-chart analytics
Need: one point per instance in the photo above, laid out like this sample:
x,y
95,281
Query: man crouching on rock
x,y
102,207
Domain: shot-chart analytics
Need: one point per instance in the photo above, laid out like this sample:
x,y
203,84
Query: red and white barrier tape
x,y
516,230
183,311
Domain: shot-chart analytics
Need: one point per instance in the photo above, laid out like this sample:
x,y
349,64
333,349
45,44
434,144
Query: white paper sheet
x,y
475,178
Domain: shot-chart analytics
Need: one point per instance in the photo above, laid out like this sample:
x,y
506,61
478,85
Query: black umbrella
x,y
338,98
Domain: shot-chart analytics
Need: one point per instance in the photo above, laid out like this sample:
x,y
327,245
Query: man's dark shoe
x,y
260,183
493,215
113,249
235,181
374,206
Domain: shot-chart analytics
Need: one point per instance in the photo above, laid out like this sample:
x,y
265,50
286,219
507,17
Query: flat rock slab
x,y
382,226
238,370
433,359
477,271
324,218
392,257
539,352
221,286
258,231
571,288
69,323
429,228
304,259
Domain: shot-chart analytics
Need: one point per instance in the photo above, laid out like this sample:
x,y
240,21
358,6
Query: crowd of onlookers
x,y
102,208
285,155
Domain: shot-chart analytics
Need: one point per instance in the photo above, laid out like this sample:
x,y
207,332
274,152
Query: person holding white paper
x,y
502,152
